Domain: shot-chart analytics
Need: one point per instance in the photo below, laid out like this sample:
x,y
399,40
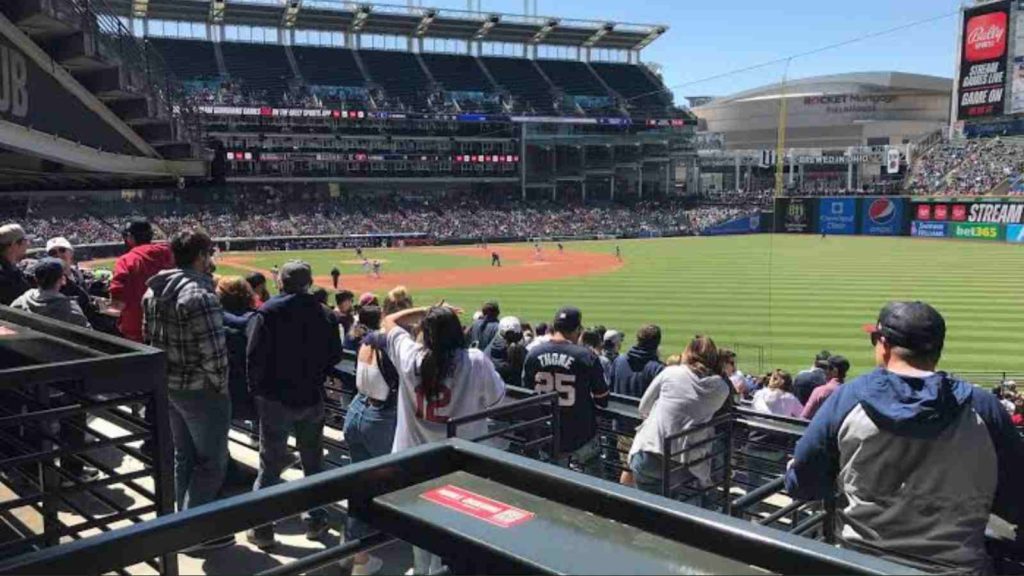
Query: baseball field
x,y
785,297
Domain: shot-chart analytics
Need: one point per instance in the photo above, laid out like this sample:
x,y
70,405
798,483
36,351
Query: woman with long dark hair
x,y
440,378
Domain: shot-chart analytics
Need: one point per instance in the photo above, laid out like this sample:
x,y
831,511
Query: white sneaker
x,y
372,566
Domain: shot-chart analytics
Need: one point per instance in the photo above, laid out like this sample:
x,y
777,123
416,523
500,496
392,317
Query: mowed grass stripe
x,y
822,291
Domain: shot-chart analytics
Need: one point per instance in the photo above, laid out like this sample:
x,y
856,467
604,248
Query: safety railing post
x,y
556,427
727,468
829,525
666,449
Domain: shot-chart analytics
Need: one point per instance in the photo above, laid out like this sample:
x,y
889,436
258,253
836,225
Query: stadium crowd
x,y
967,168
233,351
441,220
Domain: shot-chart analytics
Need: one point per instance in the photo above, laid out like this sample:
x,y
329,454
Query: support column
x,y
584,188
849,173
612,198
792,169
668,178
640,180
554,191
737,183
522,158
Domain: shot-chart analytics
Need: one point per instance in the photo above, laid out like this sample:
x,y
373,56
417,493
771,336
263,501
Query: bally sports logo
x,y
985,37
882,212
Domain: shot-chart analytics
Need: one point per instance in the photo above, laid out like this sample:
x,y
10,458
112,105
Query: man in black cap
x,y
921,457
293,344
561,365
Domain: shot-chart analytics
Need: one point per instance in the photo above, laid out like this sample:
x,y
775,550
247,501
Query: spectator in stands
x,y
372,416
13,247
610,351
922,458
184,318
540,336
131,272
74,286
239,303
439,379
838,367
483,331
47,300
368,322
808,380
777,397
293,345
634,371
343,307
1018,413
591,338
679,398
508,351
397,299
258,282
561,365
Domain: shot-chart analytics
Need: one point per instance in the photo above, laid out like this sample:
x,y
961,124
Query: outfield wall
x,y
984,219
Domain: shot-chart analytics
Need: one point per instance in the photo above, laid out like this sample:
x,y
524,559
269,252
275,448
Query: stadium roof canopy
x,y
849,83
421,22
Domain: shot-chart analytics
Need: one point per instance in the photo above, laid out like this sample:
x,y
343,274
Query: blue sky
x,y
710,37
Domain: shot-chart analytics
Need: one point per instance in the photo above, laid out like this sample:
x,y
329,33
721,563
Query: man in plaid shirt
x,y
183,317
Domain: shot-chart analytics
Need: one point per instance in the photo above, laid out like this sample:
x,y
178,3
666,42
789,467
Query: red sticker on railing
x,y
477,506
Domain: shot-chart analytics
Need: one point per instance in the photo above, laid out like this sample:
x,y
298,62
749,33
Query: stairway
x,y
119,69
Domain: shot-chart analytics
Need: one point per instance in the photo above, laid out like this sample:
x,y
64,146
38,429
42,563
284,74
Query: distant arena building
x,y
831,112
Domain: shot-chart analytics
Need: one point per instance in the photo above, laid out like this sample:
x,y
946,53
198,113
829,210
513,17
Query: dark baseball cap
x,y
296,277
915,326
139,228
567,320
48,271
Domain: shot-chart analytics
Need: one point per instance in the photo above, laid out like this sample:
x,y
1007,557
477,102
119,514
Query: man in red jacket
x,y
131,272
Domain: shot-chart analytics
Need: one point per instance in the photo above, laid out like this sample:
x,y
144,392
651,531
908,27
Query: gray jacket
x,y
52,304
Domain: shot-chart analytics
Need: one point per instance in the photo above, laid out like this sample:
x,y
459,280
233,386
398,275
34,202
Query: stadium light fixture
x,y
428,18
485,28
362,14
545,30
600,33
216,11
291,13
140,8
654,34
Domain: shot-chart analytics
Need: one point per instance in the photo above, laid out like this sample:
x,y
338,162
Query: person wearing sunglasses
x,y
13,247
921,457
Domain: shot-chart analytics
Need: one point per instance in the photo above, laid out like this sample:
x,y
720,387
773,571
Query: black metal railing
x,y
523,426
386,492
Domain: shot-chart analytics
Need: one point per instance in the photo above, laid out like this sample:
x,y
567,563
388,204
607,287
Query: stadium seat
x,y
399,74
521,78
188,59
328,66
261,67
573,77
643,93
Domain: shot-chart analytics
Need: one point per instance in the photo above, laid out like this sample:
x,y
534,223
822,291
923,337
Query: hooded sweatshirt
x,y
922,462
237,342
184,318
131,273
633,372
52,304
678,399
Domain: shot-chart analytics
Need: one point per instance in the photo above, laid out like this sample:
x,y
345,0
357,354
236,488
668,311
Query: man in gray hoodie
x,y
183,317
47,300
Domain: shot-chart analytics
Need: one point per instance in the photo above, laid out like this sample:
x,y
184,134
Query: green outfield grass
x,y
821,293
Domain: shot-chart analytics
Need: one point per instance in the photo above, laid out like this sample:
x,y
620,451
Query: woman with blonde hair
x,y
680,398
398,299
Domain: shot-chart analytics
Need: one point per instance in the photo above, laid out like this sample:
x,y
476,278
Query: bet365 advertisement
x,y
974,219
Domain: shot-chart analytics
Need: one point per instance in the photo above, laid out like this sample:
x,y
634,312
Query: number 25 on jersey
x,y
564,384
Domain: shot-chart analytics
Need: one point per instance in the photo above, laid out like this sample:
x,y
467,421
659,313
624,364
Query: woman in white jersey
x,y
440,378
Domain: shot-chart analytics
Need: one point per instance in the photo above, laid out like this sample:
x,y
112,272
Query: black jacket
x,y
237,342
293,345
12,282
483,333
508,361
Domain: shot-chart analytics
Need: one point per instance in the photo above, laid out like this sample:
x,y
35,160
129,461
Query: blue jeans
x,y
647,472
369,433
277,421
200,420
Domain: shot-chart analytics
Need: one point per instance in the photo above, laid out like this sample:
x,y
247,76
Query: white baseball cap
x,y
613,337
509,324
58,242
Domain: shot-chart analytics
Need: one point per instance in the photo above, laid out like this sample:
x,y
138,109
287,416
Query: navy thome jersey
x,y
575,373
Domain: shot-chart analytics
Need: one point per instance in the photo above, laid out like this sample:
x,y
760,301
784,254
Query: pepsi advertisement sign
x,y
882,216
837,216
928,229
